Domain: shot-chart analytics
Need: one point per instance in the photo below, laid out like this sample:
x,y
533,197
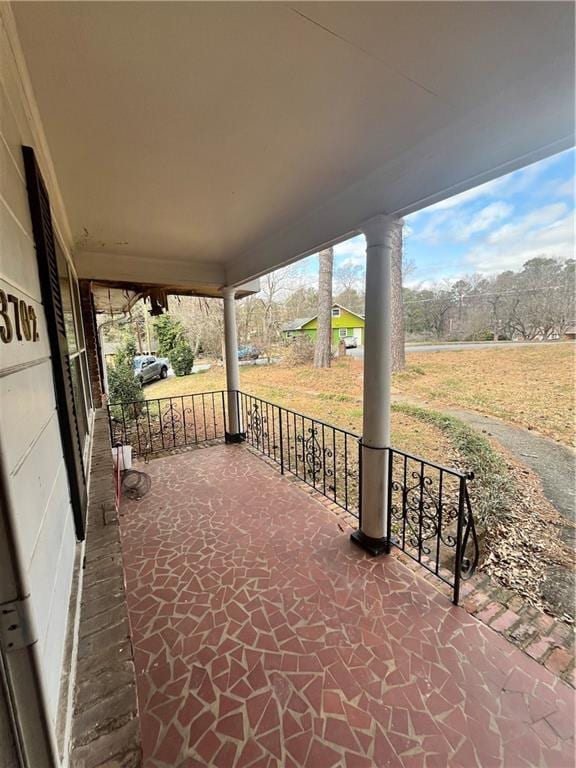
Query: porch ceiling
x,y
221,140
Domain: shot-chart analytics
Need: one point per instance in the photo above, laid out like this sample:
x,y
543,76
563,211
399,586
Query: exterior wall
x,y
31,452
354,324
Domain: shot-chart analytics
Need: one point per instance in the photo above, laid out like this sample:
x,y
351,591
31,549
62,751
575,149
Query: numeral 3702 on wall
x,y
17,319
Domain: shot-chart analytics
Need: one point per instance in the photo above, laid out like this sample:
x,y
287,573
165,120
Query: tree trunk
x,y
323,348
397,308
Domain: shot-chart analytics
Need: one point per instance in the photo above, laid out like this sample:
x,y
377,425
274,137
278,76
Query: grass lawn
x,y
531,386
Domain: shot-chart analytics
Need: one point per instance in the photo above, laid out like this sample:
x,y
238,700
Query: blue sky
x,y
493,227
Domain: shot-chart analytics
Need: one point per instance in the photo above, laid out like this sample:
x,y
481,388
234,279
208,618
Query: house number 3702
x,y
16,317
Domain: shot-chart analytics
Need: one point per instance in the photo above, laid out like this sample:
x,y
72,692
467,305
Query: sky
x,y
486,230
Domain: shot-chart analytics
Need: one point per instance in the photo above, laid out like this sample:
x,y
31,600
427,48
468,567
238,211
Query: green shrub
x,y
123,387
493,486
181,358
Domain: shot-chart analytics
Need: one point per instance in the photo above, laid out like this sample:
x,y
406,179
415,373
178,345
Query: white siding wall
x,y
32,451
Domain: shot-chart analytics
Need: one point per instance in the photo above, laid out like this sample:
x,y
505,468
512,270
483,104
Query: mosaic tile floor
x,y
263,638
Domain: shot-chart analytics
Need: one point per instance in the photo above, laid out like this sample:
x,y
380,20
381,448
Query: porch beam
x,y
234,432
380,232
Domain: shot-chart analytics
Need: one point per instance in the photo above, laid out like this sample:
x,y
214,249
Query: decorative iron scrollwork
x,y
470,551
431,516
257,425
313,455
169,424
426,517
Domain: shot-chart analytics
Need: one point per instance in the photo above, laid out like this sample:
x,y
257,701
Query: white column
x,y
372,536
232,368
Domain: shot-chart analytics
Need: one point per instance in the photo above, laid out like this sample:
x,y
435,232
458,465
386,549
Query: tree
x,y
168,331
323,348
173,344
437,308
123,386
396,299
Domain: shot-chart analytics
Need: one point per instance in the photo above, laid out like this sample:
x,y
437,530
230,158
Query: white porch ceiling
x,y
217,141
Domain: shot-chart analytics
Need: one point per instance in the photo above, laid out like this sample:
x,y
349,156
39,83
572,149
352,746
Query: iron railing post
x,y
458,557
239,417
281,435
389,491
359,482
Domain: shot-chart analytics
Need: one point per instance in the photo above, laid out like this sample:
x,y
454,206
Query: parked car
x,y
350,342
147,368
248,353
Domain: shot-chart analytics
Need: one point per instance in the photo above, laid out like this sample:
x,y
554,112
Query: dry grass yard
x,y
531,386
333,395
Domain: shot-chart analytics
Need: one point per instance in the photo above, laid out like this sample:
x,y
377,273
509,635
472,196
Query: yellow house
x,y
344,323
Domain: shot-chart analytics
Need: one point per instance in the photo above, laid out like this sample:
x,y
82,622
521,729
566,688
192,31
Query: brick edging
x,y
105,725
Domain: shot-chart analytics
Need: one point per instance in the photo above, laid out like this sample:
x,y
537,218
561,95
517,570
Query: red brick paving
x,y
264,638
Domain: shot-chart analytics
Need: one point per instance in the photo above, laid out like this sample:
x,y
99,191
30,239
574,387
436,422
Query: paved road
x,y
456,346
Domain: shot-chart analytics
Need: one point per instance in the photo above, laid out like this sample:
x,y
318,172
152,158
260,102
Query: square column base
x,y
239,437
374,547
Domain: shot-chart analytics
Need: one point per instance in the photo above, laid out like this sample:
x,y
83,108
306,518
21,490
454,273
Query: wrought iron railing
x,y
323,456
166,423
430,515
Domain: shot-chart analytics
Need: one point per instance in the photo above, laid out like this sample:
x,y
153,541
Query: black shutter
x,y
52,301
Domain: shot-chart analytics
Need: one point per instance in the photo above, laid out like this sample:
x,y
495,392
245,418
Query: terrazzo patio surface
x,y
264,638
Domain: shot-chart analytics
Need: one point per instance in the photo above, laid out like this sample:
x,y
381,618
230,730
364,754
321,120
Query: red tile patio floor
x,y
264,638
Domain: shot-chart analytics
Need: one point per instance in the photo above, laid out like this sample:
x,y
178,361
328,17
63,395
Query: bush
x,y
300,351
181,358
123,387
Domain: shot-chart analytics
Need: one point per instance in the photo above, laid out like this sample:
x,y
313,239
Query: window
x,y
75,342
335,311
343,332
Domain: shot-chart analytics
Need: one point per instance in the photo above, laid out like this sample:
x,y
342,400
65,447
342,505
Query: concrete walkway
x,y
554,464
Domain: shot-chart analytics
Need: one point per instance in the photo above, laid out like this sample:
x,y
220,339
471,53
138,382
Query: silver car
x,y
147,368
350,342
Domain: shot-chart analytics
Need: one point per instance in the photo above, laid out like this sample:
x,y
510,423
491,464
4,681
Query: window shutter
x,y
51,299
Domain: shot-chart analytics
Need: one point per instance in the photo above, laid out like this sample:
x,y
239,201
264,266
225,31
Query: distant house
x,y
344,323
570,332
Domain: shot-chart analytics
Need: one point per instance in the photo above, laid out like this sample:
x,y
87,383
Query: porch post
x,y
234,433
372,535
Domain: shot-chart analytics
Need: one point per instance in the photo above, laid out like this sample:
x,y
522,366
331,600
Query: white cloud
x,y
567,188
458,226
525,226
484,219
510,184
548,232
351,252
